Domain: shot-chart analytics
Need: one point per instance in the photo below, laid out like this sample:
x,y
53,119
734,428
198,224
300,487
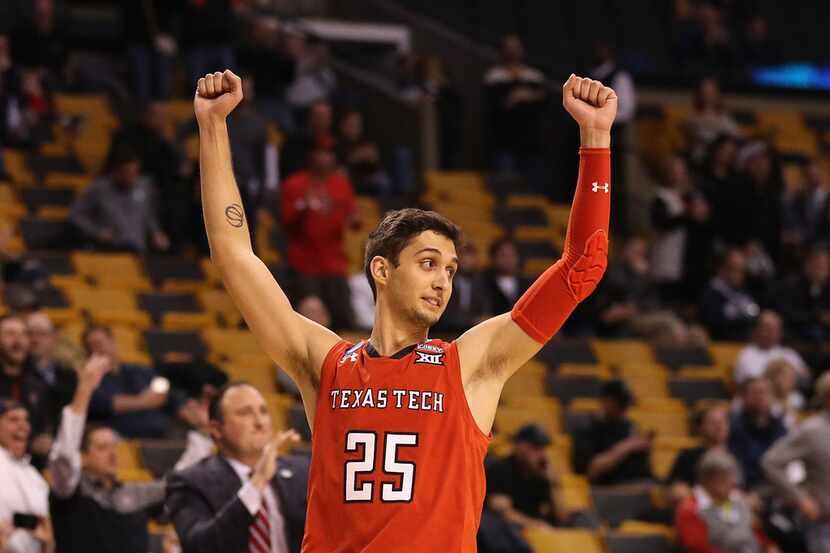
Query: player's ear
x,y
380,269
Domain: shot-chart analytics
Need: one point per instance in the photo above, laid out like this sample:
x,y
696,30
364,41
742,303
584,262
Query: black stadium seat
x,y
160,342
566,388
556,352
160,456
674,358
54,263
160,267
40,234
627,543
692,390
158,303
35,197
615,505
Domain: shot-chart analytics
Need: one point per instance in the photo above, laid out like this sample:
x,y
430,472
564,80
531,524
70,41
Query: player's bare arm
x,y
295,343
492,351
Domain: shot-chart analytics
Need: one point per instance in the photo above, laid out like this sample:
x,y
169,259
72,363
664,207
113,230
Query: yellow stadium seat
x,y
278,404
561,540
574,493
188,321
127,453
129,317
126,282
575,369
662,460
654,403
67,180
17,168
726,353
640,528
662,423
262,378
105,265
510,419
134,475
644,387
584,405
221,305
231,342
136,358
91,297
53,212
183,285
68,281
619,352
60,316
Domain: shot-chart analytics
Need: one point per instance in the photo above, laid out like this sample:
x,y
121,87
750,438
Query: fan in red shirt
x,y
316,207
401,423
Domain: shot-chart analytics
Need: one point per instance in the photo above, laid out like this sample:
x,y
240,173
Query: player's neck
x,y
391,334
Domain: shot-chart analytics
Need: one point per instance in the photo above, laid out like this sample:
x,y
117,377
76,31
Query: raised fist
x,y
592,105
217,94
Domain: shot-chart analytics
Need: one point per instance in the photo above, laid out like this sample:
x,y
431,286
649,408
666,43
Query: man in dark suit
x,y
503,282
247,498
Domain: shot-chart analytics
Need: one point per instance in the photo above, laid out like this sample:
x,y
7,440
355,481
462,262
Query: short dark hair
x,y
499,243
89,430
215,405
395,231
94,328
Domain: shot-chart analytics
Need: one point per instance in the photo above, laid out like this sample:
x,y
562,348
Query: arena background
x,y
736,179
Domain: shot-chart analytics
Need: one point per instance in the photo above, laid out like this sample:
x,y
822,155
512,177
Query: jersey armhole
x,y
455,378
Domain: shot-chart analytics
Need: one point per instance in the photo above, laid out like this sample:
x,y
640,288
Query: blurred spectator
x,y
710,118
669,216
711,424
363,302
119,211
218,503
27,108
717,177
754,428
425,79
19,380
503,282
804,300
268,61
756,47
757,194
469,302
316,206
716,517
626,294
150,47
523,488
704,42
726,307
787,401
91,509
804,216
313,309
607,70
808,443
17,268
59,379
611,450
130,398
318,131
361,157
314,79
39,43
22,488
207,36
254,156
766,347
161,160
516,99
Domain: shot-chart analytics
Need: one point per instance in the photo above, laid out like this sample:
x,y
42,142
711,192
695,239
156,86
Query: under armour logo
x,y
351,357
595,187
430,358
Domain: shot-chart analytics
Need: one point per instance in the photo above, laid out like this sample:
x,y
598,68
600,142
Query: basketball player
x,y
401,423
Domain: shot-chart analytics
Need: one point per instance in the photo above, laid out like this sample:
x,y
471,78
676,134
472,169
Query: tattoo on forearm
x,y
235,215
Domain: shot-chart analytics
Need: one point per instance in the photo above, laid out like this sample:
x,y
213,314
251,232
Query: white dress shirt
x,y
22,490
752,361
252,498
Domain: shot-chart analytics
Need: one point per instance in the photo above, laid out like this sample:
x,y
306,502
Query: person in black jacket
x,y
726,307
247,497
804,300
503,282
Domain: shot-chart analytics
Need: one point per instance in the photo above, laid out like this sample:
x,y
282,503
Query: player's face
x,y
421,284
246,422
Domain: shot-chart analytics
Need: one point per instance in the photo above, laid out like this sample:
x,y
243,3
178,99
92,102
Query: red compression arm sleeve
x,y
542,310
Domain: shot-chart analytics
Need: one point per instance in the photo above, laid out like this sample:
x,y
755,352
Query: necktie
x,y
259,540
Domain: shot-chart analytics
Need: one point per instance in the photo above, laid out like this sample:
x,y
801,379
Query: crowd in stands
x,y
735,253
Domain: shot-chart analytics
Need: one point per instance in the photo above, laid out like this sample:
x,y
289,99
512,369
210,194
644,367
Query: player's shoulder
x,y
343,349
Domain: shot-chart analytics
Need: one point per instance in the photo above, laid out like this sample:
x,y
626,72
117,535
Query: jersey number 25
x,y
366,442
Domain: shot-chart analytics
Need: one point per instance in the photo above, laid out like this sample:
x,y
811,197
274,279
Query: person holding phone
x,y
24,494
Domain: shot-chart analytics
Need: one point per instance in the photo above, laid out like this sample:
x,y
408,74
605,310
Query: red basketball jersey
x,y
397,460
